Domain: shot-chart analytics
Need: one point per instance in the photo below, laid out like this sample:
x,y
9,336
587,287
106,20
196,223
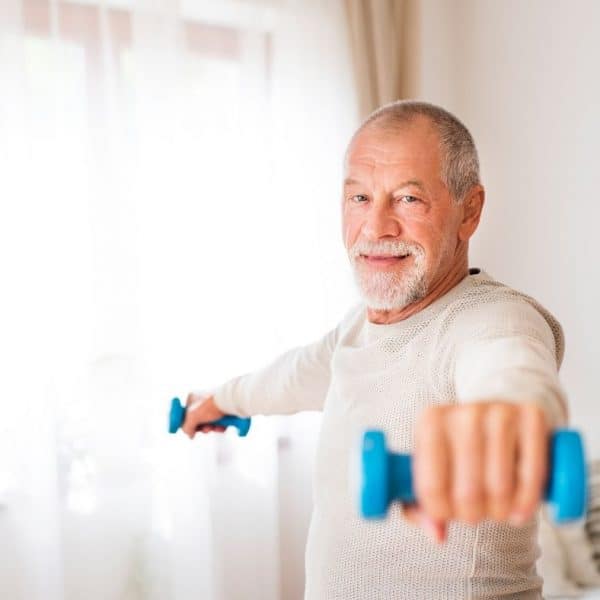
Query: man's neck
x,y
385,317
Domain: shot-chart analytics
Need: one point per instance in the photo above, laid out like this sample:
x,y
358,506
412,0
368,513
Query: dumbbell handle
x,y
177,417
387,476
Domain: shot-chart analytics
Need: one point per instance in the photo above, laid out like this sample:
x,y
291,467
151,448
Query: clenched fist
x,y
478,461
200,410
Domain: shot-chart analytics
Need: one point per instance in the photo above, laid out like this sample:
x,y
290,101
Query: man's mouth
x,y
383,259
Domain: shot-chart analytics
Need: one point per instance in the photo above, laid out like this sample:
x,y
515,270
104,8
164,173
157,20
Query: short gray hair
x,y
460,168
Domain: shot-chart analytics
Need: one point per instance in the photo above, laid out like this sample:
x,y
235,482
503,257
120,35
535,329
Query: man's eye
x,y
359,198
409,199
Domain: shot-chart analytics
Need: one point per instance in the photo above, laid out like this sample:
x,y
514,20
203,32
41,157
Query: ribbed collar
x,y
376,331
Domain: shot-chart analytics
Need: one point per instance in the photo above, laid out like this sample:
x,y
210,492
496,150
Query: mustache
x,y
396,248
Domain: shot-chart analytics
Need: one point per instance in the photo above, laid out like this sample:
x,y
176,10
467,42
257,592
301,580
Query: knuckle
x,y
469,513
472,413
468,497
499,510
533,413
465,420
499,501
500,418
434,501
468,502
500,489
430,490
530,482
437,509
472,518
526,504
526,510
430,414
499,506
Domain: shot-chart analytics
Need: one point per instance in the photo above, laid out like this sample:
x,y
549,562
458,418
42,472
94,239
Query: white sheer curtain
x,y
169,198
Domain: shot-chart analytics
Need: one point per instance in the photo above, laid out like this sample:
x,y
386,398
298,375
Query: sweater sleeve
x,y
295,381
507,351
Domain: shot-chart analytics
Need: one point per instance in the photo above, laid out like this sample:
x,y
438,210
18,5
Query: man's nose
x,y
381,222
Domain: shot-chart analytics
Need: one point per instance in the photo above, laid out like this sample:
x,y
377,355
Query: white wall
x,y
524,77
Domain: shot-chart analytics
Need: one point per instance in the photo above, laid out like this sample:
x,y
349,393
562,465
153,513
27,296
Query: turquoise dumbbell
x,y
177,416
387,477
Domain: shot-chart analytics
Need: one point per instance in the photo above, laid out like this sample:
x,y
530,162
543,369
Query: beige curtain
x,y
375,28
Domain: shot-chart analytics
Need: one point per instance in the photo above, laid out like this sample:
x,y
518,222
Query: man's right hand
x,y
201,409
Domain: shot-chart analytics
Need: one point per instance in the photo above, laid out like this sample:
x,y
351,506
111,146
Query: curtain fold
x,y
376,37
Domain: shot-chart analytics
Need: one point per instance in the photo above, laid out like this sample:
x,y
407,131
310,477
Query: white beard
x,y
389,290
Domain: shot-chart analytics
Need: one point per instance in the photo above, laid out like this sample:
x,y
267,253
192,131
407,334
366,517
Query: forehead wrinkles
x,y
372,160
371,153
368,155
374,164
416,142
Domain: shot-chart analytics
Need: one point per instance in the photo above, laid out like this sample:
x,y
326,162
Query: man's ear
x,y
472,206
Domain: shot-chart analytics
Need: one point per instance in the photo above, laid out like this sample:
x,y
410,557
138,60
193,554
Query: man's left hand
x,y
478,461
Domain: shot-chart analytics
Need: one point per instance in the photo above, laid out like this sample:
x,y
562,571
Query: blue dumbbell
x,y
177,416
387,477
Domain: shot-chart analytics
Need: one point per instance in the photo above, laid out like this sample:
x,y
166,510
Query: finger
x,y
436,529
216,428
467,455
415,515
430,464
532,463
189,425
196,414
207,428
412,513
500,461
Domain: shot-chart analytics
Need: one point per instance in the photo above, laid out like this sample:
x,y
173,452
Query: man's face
x,y
400,223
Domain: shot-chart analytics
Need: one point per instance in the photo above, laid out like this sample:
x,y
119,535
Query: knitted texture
x,y
480,341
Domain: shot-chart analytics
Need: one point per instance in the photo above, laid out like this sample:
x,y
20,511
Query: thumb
x,y
436,529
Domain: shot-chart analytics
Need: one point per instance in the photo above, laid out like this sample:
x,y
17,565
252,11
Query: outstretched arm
x,y
510,355
486,456
297,380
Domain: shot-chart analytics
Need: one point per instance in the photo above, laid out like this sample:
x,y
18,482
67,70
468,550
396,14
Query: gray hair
x,y
460,169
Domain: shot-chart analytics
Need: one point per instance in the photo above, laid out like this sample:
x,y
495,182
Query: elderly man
x,y
456,367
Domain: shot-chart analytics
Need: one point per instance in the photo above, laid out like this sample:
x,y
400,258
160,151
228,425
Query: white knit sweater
x,y
480,341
